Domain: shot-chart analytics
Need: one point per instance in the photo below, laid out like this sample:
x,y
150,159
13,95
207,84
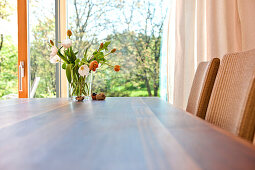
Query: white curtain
x,y
197,31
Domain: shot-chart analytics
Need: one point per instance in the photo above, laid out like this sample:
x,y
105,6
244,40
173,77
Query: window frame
x,y
23,46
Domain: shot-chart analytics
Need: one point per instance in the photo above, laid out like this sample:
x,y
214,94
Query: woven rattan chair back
x,y
232,103
202,87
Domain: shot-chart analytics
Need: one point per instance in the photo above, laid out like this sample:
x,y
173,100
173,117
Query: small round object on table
x,y
93,96
100,96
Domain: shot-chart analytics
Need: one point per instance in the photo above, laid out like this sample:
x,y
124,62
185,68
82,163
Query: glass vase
x,y
80,89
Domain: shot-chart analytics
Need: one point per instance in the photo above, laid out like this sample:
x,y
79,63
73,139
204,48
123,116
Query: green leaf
x,y
62,57
69,72
85,54
77,62
66,52
72,54
99,56
75,73
95,52
64,66
107,43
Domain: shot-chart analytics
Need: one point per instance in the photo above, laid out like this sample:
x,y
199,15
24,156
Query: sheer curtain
x,y
197,31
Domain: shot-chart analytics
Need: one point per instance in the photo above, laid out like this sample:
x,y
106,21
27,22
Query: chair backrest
x,y
232,103
202,87
254,140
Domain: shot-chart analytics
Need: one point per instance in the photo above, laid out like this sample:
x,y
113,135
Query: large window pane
x,y
8,49
134,27
41,29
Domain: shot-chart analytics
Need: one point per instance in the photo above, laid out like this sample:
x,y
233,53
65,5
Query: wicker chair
x,y
202,87
232,103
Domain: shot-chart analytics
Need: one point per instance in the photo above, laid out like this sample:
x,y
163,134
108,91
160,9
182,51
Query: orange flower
x,y
93,65
51,42
69,33
117,68
113,50
101,45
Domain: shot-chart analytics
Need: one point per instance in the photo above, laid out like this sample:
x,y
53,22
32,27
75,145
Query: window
x,y
135,29
41,29
133,26
8,49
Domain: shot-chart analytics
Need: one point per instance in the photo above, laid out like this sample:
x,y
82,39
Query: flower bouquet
x,y
78,69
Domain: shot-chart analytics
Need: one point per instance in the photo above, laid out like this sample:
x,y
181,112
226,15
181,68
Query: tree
x,y
144,41
86,22
8,56
39,57
8,68
5,11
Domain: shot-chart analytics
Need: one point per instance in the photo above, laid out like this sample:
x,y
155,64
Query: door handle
x,y
21,74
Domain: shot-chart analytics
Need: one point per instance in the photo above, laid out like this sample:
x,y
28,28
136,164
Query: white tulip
x,y
54,51
55,59
67,43
83,70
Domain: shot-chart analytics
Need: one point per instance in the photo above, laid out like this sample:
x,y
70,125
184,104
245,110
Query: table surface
x,y
115,134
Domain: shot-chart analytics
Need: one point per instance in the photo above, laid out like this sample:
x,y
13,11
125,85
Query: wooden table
x,y
116,134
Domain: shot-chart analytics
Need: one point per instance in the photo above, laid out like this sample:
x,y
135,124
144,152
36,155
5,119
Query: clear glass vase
x,y
80,89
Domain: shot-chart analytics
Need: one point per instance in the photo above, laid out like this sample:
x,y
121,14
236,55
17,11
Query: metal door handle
x,y
21,74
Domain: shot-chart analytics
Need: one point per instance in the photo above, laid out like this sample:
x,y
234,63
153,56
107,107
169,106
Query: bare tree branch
x,y
2,41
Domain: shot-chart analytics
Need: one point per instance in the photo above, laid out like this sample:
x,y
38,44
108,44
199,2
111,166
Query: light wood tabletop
x,y
115,134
